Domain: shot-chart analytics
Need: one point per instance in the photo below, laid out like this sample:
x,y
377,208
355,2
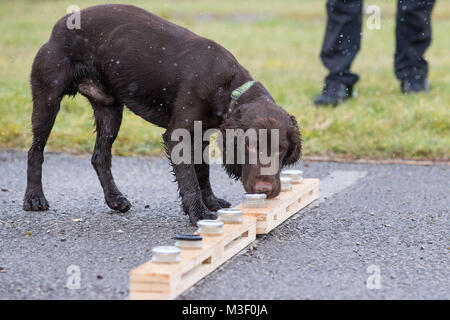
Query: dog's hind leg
x,y
49,81
107,120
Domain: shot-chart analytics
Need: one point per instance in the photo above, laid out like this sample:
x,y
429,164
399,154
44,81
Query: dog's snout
x,y
263,187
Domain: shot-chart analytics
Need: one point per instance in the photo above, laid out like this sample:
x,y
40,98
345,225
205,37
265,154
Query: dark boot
x,y
415,85
333,94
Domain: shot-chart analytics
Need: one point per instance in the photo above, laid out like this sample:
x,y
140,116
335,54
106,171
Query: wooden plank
x,y
166,281
284,206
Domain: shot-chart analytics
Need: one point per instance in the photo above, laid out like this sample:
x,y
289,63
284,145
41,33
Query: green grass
x,y
281,50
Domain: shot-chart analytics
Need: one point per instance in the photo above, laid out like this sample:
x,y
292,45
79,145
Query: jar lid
x,y
188,237
230,212
285,180
166,250
292,172
210,223
255,196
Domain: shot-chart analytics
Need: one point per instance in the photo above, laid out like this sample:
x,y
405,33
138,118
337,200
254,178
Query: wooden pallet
x,y
166,281
283,206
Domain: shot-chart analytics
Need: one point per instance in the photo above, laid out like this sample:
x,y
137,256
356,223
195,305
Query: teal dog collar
x,y
237,93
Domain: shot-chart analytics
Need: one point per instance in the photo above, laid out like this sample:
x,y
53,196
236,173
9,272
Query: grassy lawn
x,y
279,43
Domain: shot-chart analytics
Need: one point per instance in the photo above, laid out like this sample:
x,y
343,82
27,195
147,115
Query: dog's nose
x,y
263,187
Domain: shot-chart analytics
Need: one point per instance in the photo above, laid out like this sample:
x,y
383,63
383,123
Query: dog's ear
x,y
295,143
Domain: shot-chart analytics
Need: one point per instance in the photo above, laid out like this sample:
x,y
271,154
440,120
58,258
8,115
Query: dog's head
x,y
259,139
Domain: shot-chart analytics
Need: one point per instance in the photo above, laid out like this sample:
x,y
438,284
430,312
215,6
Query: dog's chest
x,y
154,111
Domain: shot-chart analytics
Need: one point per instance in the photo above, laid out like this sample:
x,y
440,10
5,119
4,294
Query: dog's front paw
x,y
223,203
119,203
201,213
35,201
214,204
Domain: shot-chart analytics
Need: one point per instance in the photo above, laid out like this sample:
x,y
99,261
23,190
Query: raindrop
x,y
132,87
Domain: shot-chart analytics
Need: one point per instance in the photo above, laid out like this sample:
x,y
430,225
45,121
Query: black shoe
x,y
333,93
415,85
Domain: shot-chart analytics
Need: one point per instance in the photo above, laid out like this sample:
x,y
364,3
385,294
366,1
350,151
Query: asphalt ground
x,y
377,232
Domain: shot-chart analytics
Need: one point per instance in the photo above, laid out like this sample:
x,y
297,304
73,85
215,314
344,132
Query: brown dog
x,y
171,77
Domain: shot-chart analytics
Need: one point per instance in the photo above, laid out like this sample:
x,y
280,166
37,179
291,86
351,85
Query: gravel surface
x,y
395,217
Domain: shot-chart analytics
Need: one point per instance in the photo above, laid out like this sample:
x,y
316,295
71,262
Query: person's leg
x,y
413,37
340,45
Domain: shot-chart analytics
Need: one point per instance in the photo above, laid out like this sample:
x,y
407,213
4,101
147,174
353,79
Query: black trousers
x,y
343,38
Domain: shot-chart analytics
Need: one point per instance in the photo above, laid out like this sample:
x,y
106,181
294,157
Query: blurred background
x,y
279,43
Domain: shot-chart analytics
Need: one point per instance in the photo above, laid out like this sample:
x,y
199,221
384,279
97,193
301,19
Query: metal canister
x,y
254,200
210,227
286,184
166,254
230,215
188,241
295,175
